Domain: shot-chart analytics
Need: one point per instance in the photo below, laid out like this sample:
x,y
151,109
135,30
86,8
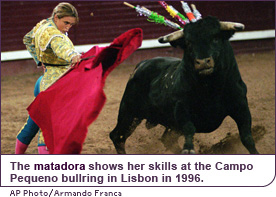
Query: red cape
x,y
66,109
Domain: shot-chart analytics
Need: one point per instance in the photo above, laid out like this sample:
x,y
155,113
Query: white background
x,y
258,181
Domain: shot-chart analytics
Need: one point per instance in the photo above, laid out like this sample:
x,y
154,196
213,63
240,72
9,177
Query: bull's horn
x,y
171,37
231,26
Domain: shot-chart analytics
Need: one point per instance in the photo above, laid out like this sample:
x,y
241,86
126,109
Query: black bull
x,y
192,95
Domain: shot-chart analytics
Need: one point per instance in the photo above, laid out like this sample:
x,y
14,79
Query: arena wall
x,y
111,18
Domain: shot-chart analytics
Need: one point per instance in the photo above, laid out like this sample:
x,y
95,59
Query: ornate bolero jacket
x,y
48,45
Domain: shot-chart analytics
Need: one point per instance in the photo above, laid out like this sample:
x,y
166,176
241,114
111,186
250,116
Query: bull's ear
x,y
226,35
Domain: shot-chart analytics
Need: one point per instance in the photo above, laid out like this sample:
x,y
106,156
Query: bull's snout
x,y
204,66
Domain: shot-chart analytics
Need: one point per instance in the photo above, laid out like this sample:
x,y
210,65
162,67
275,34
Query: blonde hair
x,y
65,9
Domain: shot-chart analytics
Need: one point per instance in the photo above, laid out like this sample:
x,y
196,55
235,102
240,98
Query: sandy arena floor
x,y
257,70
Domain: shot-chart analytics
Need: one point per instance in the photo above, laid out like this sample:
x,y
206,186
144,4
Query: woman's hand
x,y
75,60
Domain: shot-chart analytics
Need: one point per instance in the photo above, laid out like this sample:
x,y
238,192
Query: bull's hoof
x,y
120,147
121,152
188,152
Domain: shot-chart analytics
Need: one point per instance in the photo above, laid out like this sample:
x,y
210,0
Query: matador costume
x,y
50,47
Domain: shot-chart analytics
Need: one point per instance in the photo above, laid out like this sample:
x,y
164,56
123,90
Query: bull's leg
x,y
243,119
124,128
189,131
127,118
187,128
247,139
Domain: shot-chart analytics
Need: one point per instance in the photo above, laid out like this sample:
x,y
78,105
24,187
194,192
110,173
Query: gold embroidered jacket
x,y
48,45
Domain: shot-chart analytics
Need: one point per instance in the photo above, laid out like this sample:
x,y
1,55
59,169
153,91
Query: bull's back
x,y
146,82
154,67
150,74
